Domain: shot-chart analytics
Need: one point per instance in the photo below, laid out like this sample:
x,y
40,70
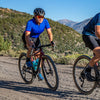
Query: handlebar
x,y
47,45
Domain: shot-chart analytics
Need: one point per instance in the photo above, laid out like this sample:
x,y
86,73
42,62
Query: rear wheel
x,y
25,72
84,86
50,73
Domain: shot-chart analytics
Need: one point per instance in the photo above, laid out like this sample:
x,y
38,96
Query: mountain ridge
x,y
67,22
78,26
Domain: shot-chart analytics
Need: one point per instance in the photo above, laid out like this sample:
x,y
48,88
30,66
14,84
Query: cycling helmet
x,y
39,11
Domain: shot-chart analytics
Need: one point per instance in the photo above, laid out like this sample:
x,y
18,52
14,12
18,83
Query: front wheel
x,y
25,72
84,86
50,72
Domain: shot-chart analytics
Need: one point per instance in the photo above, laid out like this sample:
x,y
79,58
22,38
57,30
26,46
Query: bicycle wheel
x,y
84,86
50,73
25,72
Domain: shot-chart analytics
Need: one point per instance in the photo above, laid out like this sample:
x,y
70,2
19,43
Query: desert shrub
x,y
4,45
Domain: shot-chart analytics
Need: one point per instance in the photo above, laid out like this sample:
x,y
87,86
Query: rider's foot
x,y
88,75
40,77
28,64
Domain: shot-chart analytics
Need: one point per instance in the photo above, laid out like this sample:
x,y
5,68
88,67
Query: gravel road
x,y
12,86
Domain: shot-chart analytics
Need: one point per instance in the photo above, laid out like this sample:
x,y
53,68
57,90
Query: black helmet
x,y
39,11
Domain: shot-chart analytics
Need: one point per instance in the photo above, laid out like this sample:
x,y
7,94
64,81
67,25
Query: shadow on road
x,y
25,88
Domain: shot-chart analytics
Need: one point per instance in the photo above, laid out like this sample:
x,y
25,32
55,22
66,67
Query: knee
x,y
97,54
96,50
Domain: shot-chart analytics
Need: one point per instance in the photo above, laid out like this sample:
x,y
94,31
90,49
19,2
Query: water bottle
x,y
35,63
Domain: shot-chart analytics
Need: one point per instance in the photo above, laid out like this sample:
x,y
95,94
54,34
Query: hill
x,y
12,26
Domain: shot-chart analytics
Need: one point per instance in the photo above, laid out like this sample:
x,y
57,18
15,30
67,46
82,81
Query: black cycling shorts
x,y
36,42
91,41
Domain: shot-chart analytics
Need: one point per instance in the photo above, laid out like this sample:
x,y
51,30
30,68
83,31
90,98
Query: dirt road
x,y
12,86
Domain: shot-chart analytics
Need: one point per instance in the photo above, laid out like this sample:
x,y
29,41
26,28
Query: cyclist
x,y
33,30
91,37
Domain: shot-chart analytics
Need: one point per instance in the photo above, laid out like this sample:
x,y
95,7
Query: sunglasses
x,y
40,16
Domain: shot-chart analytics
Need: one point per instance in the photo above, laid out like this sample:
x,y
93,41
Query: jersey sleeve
x,y
98,19
28,26
47,25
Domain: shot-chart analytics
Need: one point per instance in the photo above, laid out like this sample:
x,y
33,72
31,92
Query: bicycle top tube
x,y
47,45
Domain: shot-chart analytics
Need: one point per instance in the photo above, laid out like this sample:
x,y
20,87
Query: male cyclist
x,y
91,37
33,29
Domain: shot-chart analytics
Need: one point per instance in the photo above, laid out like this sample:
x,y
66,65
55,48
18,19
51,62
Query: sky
x,y
75,10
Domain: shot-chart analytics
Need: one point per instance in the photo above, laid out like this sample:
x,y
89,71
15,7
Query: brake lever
x,y
53,48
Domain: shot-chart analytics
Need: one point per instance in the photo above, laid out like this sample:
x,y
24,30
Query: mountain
x,y
78,26
67,22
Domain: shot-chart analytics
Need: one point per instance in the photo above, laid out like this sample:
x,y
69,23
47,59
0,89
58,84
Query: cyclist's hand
x,y
52,43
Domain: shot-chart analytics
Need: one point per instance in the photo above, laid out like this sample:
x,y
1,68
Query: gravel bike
x,y
83,85
48,68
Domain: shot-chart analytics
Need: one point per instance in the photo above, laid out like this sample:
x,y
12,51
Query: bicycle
x,y
48,68
83,85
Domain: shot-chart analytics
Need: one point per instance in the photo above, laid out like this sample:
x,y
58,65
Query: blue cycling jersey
x,y
36,29
89,29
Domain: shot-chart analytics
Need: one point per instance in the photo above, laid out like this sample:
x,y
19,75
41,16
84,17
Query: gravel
x,y
12,86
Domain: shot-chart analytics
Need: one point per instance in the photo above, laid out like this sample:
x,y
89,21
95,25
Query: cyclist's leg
x,y
35,43
28,63
92,43
38,43
96,58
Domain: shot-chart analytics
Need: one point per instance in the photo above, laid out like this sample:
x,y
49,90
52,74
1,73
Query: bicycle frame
x,y
41,54
47,65
41,51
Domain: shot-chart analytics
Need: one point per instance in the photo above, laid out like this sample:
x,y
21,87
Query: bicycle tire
x,y
49,68
78,64
23,69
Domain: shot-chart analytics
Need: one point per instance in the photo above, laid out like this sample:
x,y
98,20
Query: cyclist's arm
x,y
97,31
27,38
50,34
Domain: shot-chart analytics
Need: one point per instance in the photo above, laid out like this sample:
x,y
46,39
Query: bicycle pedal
x,y
81,79
40,80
